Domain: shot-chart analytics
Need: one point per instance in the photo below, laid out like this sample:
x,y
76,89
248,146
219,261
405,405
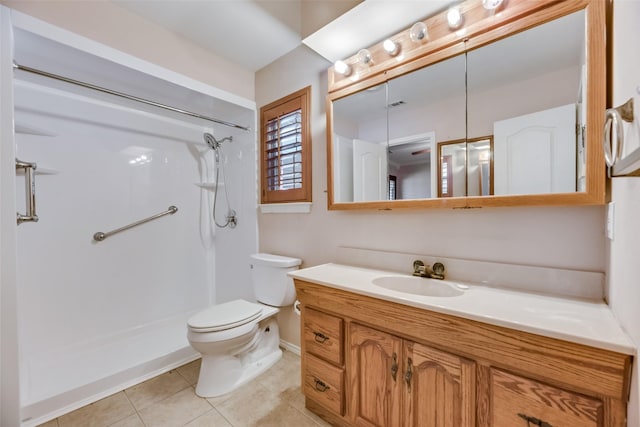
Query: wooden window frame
x,y
299,99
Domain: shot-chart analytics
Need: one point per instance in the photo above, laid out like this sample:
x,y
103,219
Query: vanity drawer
x,y
322,383
522,402
323,335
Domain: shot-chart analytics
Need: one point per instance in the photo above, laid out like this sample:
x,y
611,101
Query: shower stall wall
x,y
96,316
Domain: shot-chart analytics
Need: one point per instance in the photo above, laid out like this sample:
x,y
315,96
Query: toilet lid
x,y
225,316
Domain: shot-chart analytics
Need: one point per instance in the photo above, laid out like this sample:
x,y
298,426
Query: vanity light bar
x,y
421,38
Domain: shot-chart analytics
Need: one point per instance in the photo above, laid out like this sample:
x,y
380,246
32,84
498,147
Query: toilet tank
x,y
271,284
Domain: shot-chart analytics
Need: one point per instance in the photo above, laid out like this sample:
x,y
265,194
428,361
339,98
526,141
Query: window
x,y
286,149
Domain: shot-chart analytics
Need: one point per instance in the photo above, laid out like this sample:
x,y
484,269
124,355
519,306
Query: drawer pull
x,y
321,386
394,367
532,421
320,337
409,373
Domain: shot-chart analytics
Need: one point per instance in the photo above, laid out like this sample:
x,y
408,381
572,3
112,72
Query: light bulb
x,y
342,67
491,4
454,17
418,32
390,46
364,56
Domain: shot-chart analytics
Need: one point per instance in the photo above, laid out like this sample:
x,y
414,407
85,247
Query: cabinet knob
x,y
320,337
321,386
532,421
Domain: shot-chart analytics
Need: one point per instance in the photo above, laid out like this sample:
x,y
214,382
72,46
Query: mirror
x,y
390,129
506,118
524,90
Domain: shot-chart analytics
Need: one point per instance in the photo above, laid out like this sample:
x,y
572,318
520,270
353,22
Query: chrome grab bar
x,y
30,192
100,236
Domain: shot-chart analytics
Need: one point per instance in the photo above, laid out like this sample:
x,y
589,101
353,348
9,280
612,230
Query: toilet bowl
x,y
238,340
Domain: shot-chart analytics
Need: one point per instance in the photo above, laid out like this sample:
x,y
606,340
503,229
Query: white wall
x,y
622,281
567,237
146,40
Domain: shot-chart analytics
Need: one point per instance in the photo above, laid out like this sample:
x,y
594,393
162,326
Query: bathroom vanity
x,y
487,357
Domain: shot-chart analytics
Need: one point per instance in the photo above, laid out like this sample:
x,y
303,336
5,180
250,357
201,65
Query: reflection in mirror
x,y
425,106
453,158
360,146
480,167
465,169
526,91
380,157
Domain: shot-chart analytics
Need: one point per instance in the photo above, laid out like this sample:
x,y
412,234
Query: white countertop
x,y
576,320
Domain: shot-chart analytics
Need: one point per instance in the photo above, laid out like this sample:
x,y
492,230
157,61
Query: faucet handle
x,y
438,268
418,268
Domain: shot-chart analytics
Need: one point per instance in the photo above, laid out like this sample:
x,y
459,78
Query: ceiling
x,y
254,33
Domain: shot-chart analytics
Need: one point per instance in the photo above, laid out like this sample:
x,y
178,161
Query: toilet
x,y
239,339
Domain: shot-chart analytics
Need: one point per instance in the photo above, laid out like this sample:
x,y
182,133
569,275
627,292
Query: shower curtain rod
x,y
124,95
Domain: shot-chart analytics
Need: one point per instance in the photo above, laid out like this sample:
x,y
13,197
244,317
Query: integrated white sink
x,y
420,286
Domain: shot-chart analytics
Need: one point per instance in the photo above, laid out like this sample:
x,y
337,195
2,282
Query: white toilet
x,y
239,339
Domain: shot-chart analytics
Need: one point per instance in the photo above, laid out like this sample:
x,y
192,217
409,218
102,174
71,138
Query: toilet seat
x,y
225,316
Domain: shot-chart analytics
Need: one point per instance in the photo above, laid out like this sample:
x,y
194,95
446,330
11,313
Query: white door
x,y
342,169
536,153
369,171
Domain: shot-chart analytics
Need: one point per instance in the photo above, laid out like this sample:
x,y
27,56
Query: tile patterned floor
x,y
273,399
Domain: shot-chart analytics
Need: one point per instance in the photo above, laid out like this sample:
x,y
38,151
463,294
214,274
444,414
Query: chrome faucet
x,y
422,270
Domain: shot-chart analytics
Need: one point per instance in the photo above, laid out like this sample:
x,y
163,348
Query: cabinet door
x,y
375,377
440,388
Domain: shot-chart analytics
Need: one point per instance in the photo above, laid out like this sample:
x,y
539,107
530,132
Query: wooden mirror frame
x,y
482,27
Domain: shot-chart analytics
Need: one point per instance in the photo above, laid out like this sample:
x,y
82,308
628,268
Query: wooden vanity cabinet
x,y
370,362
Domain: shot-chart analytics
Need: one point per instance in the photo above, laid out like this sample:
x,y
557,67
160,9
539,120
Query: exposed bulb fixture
x,y
454,17
342,67
491,4
364,57
391,47
418,32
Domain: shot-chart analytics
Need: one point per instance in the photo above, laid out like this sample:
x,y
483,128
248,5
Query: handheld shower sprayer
x,y
213,142
231,218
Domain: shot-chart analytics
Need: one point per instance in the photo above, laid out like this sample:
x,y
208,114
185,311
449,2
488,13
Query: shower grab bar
x,y
30,192
100,236
126,96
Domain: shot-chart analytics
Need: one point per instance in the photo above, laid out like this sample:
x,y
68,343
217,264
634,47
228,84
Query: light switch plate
x,y
611,210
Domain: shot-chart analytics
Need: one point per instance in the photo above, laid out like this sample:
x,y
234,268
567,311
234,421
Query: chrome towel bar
x,y
100,236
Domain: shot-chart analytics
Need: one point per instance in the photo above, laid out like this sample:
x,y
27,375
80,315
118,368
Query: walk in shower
x,y
125,248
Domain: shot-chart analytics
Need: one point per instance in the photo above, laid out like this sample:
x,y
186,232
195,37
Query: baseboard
x,y
290,347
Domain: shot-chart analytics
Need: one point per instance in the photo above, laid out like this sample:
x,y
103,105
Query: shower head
x,y
210,140
213,142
